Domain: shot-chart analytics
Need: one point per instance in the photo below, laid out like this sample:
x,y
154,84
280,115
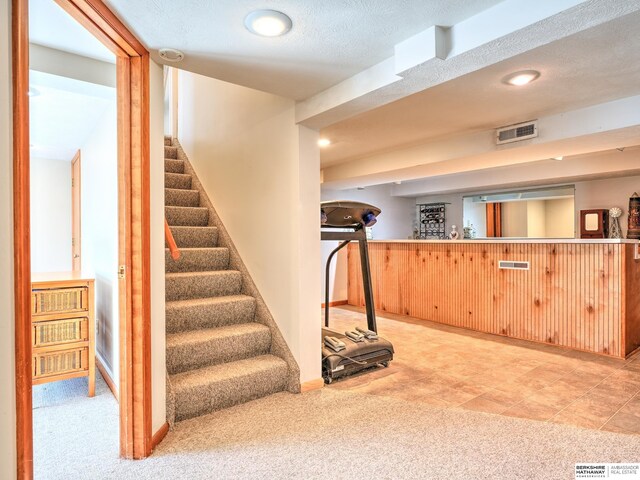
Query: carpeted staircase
x,y
223,346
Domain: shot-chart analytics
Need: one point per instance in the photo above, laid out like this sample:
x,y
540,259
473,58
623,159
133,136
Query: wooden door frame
x,y
76,214
132,67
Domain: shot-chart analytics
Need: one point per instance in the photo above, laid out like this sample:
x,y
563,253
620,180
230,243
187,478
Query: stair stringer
x,y
279,346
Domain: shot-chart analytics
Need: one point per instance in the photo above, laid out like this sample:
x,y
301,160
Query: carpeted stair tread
x,y
211,346
220,386
188,285
170,152
177,180
217,354
197,260
195,237
198,313
173,166
175,197
187,216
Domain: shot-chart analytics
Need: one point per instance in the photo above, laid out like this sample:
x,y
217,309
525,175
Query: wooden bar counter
x,y
581,294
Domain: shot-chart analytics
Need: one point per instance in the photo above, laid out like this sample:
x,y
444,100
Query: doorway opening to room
x,y
81,230
74,238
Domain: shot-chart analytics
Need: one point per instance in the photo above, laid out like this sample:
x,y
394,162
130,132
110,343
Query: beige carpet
x,y
72,431
325,434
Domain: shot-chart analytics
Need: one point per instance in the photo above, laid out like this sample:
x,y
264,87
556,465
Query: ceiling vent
x,y
516,133
171,54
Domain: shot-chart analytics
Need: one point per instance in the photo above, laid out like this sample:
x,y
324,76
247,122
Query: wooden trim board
x,y
22,237
132,67
311,385
76,212
160,434
336,303
107,378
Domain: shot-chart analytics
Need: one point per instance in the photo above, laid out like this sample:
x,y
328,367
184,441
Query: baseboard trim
x,y
337,303
159,435
107,378
311,385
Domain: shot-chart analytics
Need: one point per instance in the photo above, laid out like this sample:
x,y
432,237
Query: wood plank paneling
x,y
574,295
632,300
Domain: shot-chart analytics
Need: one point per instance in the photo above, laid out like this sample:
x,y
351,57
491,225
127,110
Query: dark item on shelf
x,y
432,221
594,223
633,231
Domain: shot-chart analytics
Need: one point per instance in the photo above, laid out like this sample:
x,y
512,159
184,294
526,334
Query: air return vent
x,y
515,133
510,265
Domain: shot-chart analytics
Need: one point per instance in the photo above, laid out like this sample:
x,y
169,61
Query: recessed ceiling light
x,y
324,142
518,79
33,92
267,23
171,54
558,158
399,182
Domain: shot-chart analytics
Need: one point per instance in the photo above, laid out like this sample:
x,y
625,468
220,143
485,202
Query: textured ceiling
x,y
52,27
594,66
330,41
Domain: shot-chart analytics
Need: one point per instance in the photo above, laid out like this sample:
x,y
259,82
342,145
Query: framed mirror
x,y
546,212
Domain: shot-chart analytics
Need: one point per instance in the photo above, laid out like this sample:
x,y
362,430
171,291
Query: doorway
x,y
132,78
76,213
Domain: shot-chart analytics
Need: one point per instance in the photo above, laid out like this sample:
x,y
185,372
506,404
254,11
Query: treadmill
x,y
345,221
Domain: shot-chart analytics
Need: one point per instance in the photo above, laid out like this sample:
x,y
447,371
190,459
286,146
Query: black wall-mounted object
x,y
432,220
633,231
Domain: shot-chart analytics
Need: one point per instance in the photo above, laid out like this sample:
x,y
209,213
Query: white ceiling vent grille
x,y
516,133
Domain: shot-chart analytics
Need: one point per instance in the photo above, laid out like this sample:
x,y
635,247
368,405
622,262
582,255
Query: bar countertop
x,y
519,240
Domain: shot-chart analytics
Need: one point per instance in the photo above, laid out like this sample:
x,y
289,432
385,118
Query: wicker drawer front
x,y
60,300
64,361
58,332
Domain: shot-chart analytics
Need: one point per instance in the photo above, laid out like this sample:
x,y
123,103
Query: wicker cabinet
x,y
62,328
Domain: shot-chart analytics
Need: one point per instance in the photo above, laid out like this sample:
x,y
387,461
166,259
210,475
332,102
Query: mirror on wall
x,y
534,213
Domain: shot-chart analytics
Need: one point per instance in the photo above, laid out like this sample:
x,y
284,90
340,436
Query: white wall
x,y
50,215
156,183
395,222
99,230
262,174
536,219
559,215
514,219
475,213
8,466
65,64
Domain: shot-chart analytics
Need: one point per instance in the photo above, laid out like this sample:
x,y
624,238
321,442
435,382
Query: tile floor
x,y
452,367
